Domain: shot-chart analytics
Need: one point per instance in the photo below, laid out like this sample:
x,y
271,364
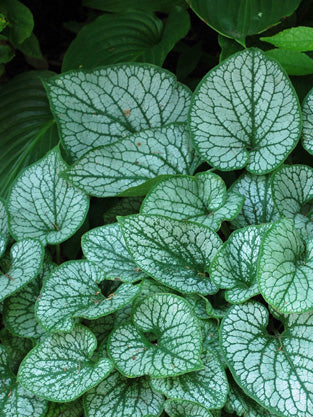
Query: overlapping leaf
x,y
275,371
135,162
61,369
165,339
43,205
16,348
72,291
258,206
99,107
285,268
175,408
307,115
123,206
25,264
118,6
201,199
245,113
71,409
4,228
105,246
174,252
207,387
234,266
123,397
294,39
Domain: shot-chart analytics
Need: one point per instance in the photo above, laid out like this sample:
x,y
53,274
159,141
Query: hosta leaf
x,y
207,387
175,253
118,6
285,269
234,266
19,310
258,206
27,129
123,397
4,228
298,38
72,291
44,206
105,246
26,260
307,114
201,199
178,408
165,340
109,103
60,368
104,42
71,409
134,161
245,113
275,371
14,399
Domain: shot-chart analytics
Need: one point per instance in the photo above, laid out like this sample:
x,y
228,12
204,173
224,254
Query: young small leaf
x,y
234,266
60,368
165,339
72,291
26,261
285,269
298,38
275,371
201,199
178,408
134,162
108,103
105,246
4,228
43,205
175,253
118,396
245,113
207,387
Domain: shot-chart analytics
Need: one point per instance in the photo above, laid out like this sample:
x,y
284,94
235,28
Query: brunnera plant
x,y
193,298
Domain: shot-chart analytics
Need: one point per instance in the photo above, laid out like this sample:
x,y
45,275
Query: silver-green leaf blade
x,y
307,114
174,252
4,228
178,408
245,113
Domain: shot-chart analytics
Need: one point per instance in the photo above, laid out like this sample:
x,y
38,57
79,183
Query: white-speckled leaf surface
x,y
105,246
25,264
177,408
165,339
4,228
131,162
72,291
60,368
118,396
98,107
307,115
201,199
275,371
245,113
43,205
174,252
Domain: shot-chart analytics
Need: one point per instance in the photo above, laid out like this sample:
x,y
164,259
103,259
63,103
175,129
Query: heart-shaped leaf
x,y
201,199
108,398
14,399
43,205
207,387
133,97
258,206
4,228
102,42
178,408
285,268
245,113
25,264
275,371
307,115
105,246
234,266
72,291
60,368
19,310
175,253
135,162
165,339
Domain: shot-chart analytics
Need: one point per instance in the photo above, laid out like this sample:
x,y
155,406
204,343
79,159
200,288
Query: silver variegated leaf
x,y
307,116
245,113
177,408
44,206
164,339
61,368
174,252
98,107
4,228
